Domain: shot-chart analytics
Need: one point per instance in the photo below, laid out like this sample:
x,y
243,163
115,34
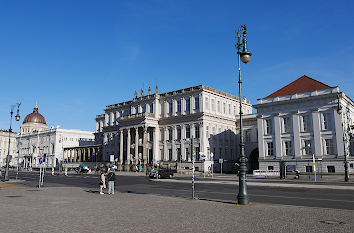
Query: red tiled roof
x,y
302,84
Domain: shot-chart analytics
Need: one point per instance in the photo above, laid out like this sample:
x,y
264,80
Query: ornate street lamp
x,y
244,56
346,136
17,118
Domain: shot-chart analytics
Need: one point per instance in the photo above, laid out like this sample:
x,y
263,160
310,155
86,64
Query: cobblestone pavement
x,y
73,209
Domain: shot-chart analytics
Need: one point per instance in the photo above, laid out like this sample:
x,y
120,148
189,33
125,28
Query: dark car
x,y
81,169
161,173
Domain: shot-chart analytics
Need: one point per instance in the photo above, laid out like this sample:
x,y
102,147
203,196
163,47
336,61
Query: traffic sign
x,y
212,155
158,162
111,158
221,160
40,160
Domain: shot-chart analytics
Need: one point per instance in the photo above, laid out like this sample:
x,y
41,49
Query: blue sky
x,y
76,57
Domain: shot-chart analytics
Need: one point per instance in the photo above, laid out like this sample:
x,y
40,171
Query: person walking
x,y
111,177
103,181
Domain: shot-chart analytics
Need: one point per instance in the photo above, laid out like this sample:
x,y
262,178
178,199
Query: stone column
x,y
316,142
136,145
296,130
173,143
338,142
156,146
260,127
277,146
121,139
165,151
127,163
145,155
183,138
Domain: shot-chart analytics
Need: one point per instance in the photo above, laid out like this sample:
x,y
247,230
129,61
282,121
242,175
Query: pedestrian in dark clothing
x,y
111,177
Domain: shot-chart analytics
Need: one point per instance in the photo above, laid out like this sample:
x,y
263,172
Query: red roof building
x,y
302,84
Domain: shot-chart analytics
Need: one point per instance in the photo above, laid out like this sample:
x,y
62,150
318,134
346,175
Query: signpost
x,y
111,158
157,169
221,162
212,164
314,165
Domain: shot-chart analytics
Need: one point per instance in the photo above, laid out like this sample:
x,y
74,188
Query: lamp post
x,y
346,137
17,118
244,56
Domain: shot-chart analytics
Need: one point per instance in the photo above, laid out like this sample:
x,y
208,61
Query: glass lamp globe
x,y
245,57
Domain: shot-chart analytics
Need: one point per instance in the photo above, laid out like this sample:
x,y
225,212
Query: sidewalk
x,y
74,209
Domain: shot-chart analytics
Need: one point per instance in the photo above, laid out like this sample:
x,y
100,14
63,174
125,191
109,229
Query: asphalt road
x,y
226,193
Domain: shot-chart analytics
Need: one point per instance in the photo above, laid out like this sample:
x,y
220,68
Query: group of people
x,y
110,177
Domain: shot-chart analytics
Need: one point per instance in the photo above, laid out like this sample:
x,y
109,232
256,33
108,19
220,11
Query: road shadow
x,y
92,191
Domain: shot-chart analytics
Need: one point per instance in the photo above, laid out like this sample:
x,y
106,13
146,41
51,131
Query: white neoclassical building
x,y
157,127
4,146
302,119
36,140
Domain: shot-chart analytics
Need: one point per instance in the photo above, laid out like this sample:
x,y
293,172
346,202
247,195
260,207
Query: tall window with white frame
x,y
270,149
170,107
329,150
152,108
188,131
307,148
206,103
196,130
179,133
170,134
224,108
286,124
268,127
326,121
188,105
218,106
196,103
213,105
287,151
305,123
179,106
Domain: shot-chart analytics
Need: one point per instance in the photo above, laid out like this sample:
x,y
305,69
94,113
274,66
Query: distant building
x,y
4,146
36,140
157,127
302,119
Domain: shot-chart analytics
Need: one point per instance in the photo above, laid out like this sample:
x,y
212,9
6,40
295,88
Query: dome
x,y
35,117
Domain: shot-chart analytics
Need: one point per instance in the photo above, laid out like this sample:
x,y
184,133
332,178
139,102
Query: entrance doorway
x,y
253,162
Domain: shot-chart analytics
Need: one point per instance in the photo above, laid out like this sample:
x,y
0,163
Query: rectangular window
x,y
169,134
196,131
206,103
305,123
188,131
329,146
287,148
229,109
269,126
212,104
309,168
235,110
219,107
188,105
144,108
162,134
196,101
224,108
270,149
286,124
170,107
270,168
326,121
307,147
152,108
179,133
331,169
179,106
170,154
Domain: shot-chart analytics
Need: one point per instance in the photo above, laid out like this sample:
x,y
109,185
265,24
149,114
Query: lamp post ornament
x,y
244,56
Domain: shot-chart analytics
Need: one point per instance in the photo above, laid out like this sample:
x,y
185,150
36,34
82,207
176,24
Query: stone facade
x,y
4,146
294,127
158,127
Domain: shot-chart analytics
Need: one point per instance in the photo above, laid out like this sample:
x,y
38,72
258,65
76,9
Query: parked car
x,y
161,173
82,168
